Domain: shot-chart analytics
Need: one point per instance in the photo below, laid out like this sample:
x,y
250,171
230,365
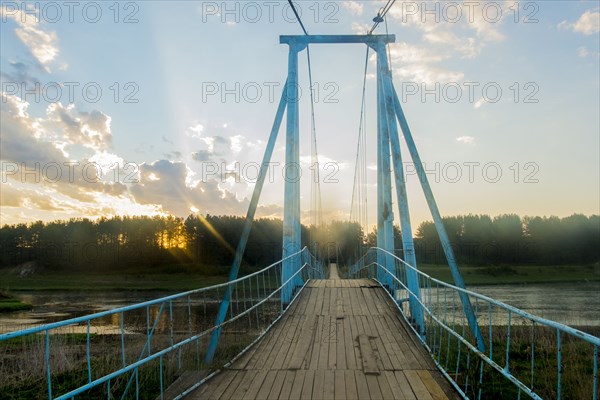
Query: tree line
x,y
210,241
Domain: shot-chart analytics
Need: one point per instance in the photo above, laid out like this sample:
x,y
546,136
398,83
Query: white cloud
x,y
42,45
582,52
354,7
359,28
466,139
195,131
588,23
417,64
482,101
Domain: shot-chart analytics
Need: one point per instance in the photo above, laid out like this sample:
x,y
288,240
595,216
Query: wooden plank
x,y
361,385
340,384
432,386
333,301
296,391
405,387
323,361
255,386
267,384
244,385
384,386
333,343
394,386
417,386
369,362
310,304
373,385
355,344
326,299
288,382
318,385
348,344
350,380
379,348
340,344
307,385
277,385
287,342
329,385
221,386
389,344
303,347
316,345
234,384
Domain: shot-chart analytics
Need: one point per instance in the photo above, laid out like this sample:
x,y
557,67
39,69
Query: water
x,y
575,304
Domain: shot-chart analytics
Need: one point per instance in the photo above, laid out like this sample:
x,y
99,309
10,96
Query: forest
x,y
119,243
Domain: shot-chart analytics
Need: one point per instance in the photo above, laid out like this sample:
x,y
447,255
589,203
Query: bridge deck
x,y
341,339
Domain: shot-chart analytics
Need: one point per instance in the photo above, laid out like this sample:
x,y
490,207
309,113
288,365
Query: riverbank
x,y
517,274
9,303
180,281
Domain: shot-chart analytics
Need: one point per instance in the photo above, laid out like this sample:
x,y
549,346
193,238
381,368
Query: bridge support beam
x,y
292,240
385,215
408,246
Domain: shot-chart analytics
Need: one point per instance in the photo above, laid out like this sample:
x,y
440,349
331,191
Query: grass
x,y
110,281
9,303
577,364
497,275
184,277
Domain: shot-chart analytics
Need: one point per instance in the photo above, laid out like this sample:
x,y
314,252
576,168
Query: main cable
x,y
316,181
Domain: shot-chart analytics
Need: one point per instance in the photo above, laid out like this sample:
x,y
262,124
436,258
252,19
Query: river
x,y
575,304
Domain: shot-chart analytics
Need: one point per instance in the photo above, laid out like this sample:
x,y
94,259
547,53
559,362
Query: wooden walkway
x,y
341,339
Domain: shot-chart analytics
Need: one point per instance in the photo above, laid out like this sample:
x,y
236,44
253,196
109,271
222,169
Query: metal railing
x,y
525,354
137,351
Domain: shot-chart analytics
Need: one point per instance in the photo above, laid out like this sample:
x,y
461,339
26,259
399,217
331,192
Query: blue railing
x,y
137,351
525,354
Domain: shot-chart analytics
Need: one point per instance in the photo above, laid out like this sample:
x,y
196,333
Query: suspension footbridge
x,y
341,339
385,331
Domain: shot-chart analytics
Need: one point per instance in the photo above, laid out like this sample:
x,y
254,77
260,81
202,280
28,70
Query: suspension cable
x,y
381,15
358,207
316,181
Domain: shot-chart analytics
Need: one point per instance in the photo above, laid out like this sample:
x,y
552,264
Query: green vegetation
x,y
169,253
9,303
577,363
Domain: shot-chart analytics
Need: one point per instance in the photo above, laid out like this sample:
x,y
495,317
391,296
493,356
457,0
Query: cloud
x,y
164,182
354,7
418,64
582,52
466,139
195,131
88,129
42,45
588,23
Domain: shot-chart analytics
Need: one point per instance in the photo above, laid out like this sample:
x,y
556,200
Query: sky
x,y
165,107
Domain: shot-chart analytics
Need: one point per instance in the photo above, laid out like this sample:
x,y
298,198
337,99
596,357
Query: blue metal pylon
x,y
292,240
408,247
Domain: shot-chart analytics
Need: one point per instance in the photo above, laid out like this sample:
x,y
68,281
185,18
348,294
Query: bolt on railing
x,y
525,354
137,351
